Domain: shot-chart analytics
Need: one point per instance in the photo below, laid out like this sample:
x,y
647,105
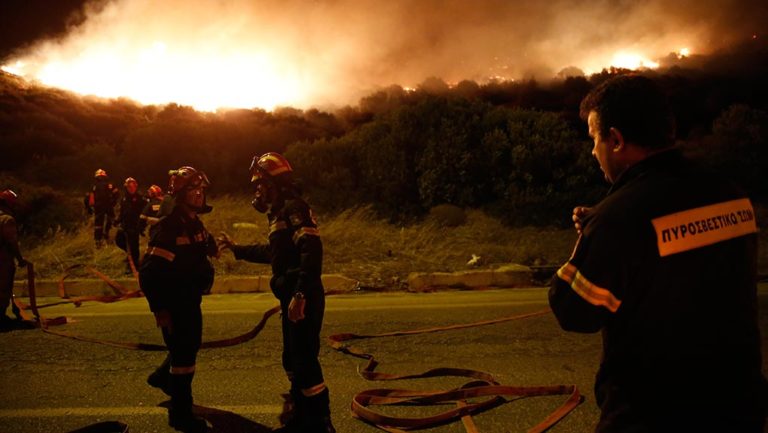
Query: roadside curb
x,y
222,285
505,277
508,276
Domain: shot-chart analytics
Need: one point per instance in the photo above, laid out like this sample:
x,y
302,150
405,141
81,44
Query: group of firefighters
x,y
664,266
135,213
176,271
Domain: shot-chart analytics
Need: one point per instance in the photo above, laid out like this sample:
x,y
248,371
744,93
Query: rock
x,y
509,276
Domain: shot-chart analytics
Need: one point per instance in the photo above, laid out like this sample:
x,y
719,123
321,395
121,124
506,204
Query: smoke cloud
x,y
331,52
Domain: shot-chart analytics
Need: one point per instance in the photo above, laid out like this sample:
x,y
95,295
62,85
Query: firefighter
x,y
176,270
9,251
151,215
101,201
295,252
130,223
665,267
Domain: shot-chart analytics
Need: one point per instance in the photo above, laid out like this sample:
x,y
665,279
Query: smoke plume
x,y
331,52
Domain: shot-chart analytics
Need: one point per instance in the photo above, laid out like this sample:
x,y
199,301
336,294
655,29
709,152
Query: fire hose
x,y
482,384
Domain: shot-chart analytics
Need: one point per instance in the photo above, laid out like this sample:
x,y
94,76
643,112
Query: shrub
x,y
447,215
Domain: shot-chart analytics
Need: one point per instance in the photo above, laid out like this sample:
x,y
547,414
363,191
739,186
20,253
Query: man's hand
x,y
163,320
579,213
296,308
225,242
22,263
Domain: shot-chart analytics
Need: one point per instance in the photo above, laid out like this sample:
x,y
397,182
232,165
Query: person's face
x,y
131,187
195,198
606,149
262,197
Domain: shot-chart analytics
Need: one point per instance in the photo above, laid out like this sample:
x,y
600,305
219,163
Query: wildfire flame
x,y
632,61
246,54
162,73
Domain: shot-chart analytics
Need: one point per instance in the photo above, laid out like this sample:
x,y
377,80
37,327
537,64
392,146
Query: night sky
x,y
24,21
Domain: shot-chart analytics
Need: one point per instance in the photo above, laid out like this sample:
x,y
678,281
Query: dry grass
x,y
357,244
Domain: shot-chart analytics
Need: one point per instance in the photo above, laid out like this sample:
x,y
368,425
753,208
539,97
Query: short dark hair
x,y
636,106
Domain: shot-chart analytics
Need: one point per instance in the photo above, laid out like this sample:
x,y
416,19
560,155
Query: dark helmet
x,y
269,166
154,191
9,198
100,174
186,178
272,179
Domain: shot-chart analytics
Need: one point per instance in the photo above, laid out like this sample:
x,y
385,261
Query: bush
x,y
43,211
447,215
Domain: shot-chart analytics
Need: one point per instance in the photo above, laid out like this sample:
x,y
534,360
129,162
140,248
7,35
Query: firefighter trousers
x,y
301,342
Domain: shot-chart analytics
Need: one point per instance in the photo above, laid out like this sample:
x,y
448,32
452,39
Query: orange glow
x,y
16,68
325,54
632,61
625,59
161,73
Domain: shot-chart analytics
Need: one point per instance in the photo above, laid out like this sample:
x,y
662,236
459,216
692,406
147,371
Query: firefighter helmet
x,y
130,180
186,178
8,197
100,173
154,191
270,166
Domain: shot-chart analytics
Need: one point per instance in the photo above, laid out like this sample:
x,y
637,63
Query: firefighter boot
x,y
289,407
180,414
15,308
318,413
161,377
294,413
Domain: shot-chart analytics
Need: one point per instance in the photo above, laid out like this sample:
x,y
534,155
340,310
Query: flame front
x,y
161,73
269,53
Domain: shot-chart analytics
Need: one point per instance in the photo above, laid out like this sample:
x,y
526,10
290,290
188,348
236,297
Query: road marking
x,y
59,412
250,304
255,310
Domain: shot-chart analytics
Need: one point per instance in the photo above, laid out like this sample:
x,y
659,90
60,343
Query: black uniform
x,y
101,201
131,225
295,252
9,251
666,268
173,275
151,214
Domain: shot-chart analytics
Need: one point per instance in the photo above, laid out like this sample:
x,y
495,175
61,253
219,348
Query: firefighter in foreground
x,y
101,202
130,223
9,251
665,267
174,273
295,253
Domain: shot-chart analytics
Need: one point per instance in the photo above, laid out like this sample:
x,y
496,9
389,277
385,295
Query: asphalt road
x,y
52,384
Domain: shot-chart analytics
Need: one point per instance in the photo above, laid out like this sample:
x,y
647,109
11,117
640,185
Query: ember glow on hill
x,y
269,53
158,74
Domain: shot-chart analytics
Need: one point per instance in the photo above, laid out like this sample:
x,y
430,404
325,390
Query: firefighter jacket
x,y
295,250
103,197
176,270
9,241
154,211
666,269
129,218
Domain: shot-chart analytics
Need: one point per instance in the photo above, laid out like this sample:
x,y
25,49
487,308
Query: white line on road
x,y
57,412
331,308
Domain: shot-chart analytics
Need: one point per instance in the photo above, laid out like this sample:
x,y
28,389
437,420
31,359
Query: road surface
x,y
52,384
